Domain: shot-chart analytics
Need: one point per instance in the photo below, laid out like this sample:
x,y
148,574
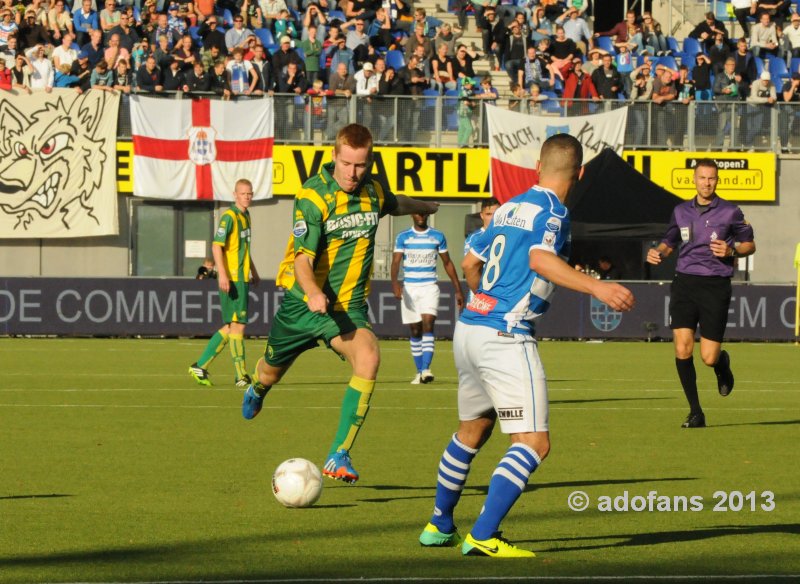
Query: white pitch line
x,y
380,387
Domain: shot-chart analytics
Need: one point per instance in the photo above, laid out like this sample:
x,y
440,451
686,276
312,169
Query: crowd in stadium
x,y
388,47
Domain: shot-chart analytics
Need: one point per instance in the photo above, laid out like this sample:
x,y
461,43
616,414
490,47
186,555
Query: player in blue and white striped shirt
x,y
417,249
513,268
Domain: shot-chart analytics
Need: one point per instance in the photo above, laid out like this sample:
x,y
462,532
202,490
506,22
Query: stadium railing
x,y
432,121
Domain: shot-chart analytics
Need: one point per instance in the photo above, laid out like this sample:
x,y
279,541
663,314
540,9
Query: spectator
x,y
267,79
607,270
9,50
342,54
270,11
607,79
42,73
63,78
576,29
128,37
791,34
359,9
641,92
162,29
788,114
419,39
64,54
518,101
380,31
366,88
293,80
763,38
479,8
467,109
102,78
442,75
284,26
252,14
719,53
654,40
514,53
238,35
746,71
388,85
541,26
342,85
185,54
665,92
578,85
762,98
463,63
595,60
8,27
624,63
243,76
563,50
414,82
312,49
220,81
94,48
726,91
162,52
123,79
114,53
318,101
701,74
172,77
743,9
626,32
32,33
446,36
140,54
429,23
532,71
777,10
212,36
285,55
148,78
203,9
21,74
175,22
59,21
706,30
493,36
317,18
356,40
686,92
109,18
84,21
196,80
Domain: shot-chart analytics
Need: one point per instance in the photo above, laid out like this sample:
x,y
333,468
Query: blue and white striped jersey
x,y
471,238
511,295
420,250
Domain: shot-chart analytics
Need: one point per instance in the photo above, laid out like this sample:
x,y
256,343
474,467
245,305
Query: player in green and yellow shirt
x,y
235,269
327,272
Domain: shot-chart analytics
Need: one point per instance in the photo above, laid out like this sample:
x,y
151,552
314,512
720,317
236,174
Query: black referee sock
x,y
688,377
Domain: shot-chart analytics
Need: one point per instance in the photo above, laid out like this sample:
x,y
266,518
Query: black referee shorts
x,y
702,300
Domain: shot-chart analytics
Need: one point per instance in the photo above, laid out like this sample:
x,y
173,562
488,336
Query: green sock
x,y
214,346
355,406
237,352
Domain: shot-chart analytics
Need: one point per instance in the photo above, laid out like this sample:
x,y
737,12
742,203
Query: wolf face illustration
x,y
51,163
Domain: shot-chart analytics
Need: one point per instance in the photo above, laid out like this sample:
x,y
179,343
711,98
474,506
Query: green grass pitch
x,y
117,467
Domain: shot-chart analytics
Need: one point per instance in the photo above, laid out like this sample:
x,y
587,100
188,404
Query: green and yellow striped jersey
x,y
337,230
233,234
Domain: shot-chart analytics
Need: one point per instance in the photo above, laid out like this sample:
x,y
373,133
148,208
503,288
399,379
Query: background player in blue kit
x,y
500,376
417,249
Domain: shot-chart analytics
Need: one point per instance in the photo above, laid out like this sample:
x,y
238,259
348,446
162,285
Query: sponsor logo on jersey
x,y
420,258
549,239
553,224
368,219
509,413
300,228
685,234
519,215
482,303
221,231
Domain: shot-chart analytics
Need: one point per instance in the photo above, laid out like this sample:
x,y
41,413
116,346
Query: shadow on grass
x,y
50,496
668,537
776,423
481,490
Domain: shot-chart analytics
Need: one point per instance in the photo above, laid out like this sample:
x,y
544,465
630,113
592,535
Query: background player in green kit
x,y
235,269
326,274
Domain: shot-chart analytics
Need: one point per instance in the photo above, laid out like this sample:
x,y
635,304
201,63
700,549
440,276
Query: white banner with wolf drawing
x,y
58,164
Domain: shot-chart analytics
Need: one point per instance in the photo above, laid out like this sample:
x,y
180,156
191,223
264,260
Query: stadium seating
x,y
395,59
552,104
605,43
227,18
450,106
778,70
692,46
668,61
759,65
265,36
337,15
795,67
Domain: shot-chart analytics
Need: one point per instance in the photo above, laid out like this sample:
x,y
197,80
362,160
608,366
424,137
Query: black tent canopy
x,y
614,200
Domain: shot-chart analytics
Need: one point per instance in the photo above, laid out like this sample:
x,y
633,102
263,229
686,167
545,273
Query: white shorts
x,y
500,372
419,300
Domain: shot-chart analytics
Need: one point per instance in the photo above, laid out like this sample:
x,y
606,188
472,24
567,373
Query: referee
x,y
711,233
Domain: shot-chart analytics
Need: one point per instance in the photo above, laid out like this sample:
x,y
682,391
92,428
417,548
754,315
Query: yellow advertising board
x,y
458,173
743,176
439,173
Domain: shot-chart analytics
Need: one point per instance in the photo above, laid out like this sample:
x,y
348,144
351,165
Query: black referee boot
x,y
695,421
724,374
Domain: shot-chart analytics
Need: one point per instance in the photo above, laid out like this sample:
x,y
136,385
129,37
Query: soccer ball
x,y
297,482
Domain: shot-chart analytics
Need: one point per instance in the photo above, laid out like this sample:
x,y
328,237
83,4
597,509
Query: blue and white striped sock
x,y
427,350
508,482
416,352
453,471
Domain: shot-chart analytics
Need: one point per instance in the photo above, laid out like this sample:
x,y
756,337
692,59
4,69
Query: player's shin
x,y
215,344
453,470
508,482
237,354
355,406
